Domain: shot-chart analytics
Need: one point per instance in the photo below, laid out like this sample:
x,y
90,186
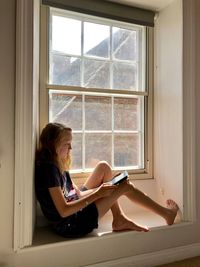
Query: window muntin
x,y
99,89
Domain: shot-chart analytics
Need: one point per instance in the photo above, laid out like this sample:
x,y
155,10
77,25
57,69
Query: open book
x,y
118,178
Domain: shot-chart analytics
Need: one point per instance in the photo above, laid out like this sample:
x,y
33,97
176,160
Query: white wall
x,y
7,93
168,135
168,91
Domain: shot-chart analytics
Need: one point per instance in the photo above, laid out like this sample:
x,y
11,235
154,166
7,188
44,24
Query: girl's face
x,y
64,145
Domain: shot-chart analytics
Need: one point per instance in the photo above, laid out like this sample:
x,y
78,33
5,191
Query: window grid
x,y
111,93
113,132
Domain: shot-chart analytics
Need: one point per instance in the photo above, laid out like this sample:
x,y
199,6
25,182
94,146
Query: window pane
x,y
66,109
66,35
96,74
124,76
96,39
97,147
65,70
126,113
76,151
97,113
124,44
127,150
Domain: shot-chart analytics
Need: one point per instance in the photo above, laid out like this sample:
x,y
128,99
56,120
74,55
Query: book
x,y
118,178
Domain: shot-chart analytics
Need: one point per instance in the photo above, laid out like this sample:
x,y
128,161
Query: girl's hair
x,y
49,139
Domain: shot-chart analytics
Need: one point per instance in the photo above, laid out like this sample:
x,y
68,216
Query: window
x,y
26,129
97,84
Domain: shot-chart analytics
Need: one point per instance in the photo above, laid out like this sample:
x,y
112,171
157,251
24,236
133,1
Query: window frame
x,y
145,173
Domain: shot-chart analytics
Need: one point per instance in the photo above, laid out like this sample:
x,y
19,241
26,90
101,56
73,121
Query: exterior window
x,y
97,85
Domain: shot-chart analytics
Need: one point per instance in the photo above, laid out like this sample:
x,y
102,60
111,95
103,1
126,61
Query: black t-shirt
x,y
47,175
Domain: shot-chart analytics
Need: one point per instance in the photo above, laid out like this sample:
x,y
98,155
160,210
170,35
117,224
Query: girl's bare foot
x,y
172,211
122,223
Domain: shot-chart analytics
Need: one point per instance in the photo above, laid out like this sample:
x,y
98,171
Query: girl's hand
x,y
105,190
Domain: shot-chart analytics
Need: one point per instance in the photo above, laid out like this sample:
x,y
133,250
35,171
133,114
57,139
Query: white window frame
x,y
145,173
26,119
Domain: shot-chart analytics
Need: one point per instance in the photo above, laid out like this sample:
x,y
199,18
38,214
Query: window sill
x,y
44,235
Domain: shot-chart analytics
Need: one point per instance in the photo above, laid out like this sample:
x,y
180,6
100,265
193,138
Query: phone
x,y
119,178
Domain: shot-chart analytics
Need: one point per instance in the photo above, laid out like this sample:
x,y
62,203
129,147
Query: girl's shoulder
x,y
45,166
48,174
45,163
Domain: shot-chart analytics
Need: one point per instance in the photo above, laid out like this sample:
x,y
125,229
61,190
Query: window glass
x,y
125,44
100,44
124,76
98,114
104,128
98,147
66,109
94,55
65,70
63,37
98,68
96,74
126,113
77,144
127,150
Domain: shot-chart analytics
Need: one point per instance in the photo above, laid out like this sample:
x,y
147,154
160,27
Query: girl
x,y
75,212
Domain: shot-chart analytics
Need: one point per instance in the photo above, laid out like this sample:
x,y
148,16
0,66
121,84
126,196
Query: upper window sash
x,y
140,60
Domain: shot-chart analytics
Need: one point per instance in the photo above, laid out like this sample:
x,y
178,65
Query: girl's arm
x,y
83,193
65,208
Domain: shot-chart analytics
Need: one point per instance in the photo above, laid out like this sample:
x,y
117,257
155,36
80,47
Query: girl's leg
x,y
135,195
168,213
101,174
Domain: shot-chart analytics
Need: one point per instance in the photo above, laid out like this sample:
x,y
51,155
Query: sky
x,y
66,35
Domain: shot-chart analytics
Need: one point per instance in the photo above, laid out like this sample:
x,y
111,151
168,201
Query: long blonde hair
x,y
49,139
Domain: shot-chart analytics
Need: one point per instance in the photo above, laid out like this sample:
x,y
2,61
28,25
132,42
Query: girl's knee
x,y
104,165
105,168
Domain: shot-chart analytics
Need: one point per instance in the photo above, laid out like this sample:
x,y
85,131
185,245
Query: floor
x,y
193,262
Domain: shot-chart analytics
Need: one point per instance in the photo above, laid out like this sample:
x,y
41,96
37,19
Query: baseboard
x,y
155,258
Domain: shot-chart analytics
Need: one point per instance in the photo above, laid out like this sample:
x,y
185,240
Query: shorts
x,y
83,188
79,224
